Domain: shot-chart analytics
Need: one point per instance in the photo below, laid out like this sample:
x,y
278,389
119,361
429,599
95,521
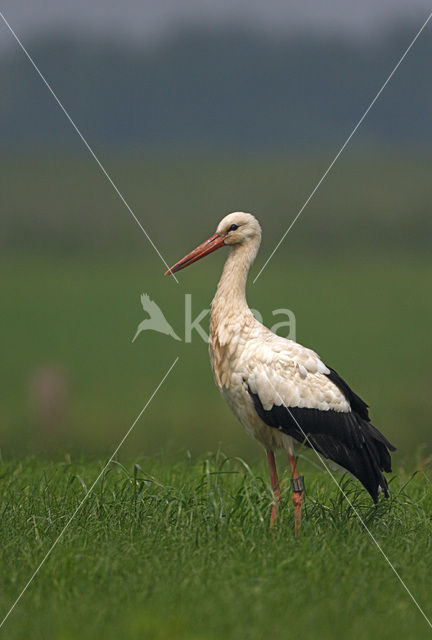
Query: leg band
x,y
297,484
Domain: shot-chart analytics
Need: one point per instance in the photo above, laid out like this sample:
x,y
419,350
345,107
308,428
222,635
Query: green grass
x,y
182,550
162,551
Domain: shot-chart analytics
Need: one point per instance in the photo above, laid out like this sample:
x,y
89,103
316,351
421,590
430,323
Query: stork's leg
x,y
298,493
274,484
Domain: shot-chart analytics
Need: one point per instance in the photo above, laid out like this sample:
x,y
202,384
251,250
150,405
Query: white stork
x,y
279,390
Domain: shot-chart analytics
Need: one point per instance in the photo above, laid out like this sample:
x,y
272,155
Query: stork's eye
x,y
233,227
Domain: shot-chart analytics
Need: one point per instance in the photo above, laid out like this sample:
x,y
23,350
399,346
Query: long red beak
x,y
210,245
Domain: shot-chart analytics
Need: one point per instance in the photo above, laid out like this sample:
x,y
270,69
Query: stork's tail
x,y
376,459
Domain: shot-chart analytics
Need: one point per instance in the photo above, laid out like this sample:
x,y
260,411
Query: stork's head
x,y
235,229
238,227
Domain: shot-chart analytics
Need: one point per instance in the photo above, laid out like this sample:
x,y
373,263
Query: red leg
x,y
297,496
274,484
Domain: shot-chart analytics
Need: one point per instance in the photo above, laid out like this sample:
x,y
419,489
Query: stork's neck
x,y
230,296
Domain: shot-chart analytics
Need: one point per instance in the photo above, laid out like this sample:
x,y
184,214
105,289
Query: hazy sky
x,y
151,19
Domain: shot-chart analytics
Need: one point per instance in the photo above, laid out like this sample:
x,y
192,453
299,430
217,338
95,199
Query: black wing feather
x,y
357,404
347,438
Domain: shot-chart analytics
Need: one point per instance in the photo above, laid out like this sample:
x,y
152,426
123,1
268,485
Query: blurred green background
x,y
195,112
355,270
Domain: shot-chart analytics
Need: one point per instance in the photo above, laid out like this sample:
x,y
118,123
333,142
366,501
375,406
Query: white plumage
x,y
279,390
247,355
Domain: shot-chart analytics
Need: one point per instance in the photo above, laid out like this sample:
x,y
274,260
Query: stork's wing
x,y
315,406
357,404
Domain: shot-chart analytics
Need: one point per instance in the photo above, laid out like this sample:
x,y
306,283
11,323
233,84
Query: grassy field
x,y
177,545
162,551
